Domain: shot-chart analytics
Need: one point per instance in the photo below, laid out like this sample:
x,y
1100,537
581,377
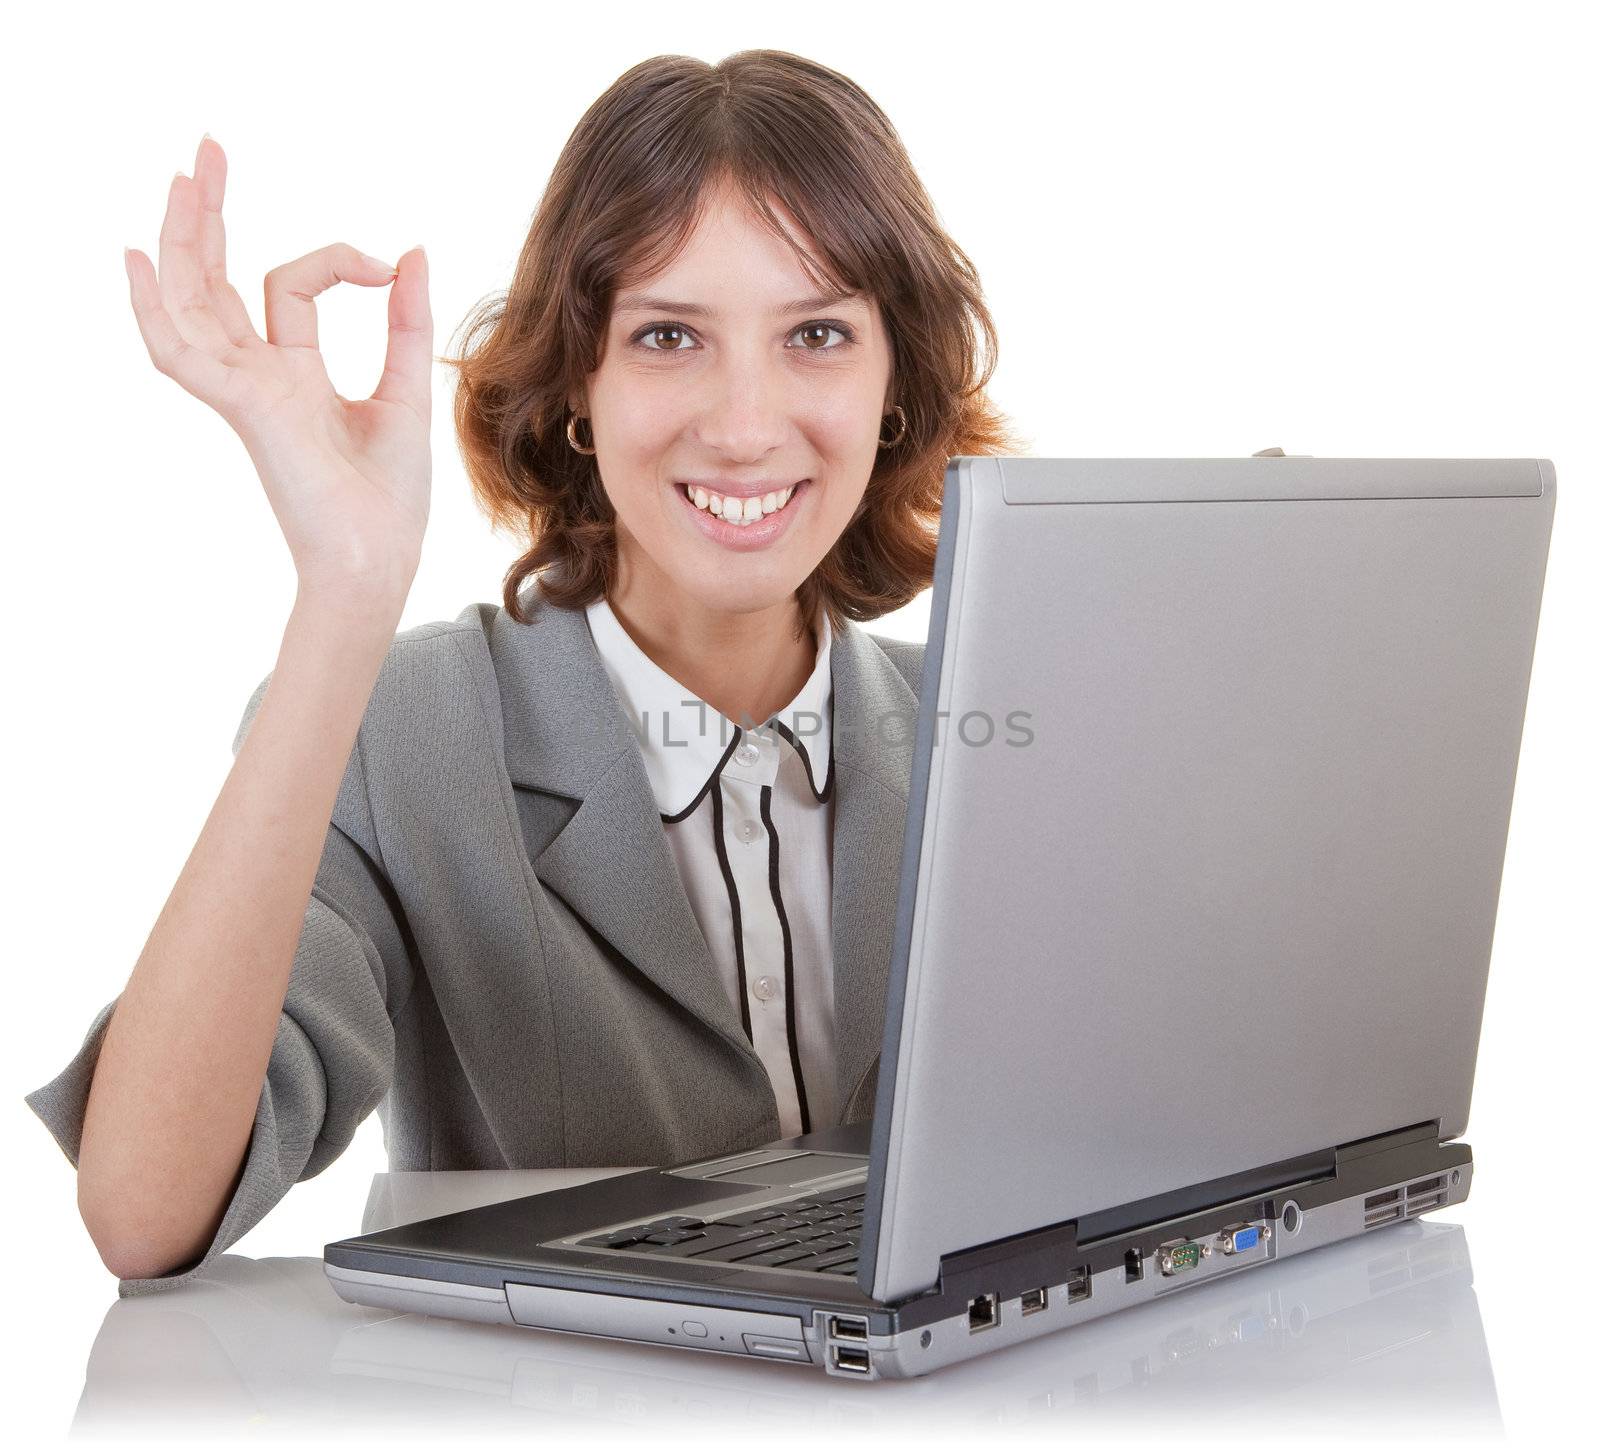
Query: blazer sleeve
x,y
333,1056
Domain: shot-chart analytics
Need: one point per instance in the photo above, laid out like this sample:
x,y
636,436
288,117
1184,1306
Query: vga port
x,y
1239,1238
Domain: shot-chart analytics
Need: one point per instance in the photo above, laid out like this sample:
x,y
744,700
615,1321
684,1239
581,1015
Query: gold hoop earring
x,y
572,436
891,442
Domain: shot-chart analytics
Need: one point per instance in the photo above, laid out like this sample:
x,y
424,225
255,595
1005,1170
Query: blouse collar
x,y
684,741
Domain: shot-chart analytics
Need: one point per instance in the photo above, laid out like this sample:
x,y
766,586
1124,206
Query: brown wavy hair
x,y
624,196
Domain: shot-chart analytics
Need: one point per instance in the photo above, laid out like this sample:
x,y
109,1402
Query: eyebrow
x,y
696,309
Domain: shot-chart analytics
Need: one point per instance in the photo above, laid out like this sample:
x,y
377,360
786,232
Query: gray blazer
x,y
498,952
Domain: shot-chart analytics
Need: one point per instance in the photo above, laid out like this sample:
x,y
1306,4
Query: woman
x,y
532,882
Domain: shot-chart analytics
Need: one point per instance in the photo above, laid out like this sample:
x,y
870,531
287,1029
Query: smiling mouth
x,y
738,511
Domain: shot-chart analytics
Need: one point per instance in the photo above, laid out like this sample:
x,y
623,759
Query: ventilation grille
x,y
1406,1202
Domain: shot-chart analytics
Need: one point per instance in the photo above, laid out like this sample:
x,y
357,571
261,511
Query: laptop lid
x,y
1213,772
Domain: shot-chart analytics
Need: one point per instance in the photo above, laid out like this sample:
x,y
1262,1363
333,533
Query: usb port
x,y
1034,1301
851,1360
839,1327
1079,1286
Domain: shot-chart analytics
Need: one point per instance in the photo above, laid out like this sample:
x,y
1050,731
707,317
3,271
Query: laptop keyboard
x,y
820,1232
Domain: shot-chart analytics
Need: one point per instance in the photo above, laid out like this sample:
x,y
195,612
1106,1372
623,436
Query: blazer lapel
x,y
567,734
874,718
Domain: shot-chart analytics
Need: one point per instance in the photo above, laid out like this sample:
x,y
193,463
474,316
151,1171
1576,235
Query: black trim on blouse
x,y
827,785
733,901
711,779
788,961
713,784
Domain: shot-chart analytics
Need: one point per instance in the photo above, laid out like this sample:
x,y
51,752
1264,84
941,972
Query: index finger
x,y
210,176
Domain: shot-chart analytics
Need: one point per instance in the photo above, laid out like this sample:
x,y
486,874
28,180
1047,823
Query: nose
x,y
745,408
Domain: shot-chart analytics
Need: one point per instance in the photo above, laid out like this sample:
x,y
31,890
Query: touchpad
x,y
760,1169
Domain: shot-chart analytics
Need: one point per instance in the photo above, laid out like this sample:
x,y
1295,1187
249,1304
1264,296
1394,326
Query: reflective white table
x,y
1381,1332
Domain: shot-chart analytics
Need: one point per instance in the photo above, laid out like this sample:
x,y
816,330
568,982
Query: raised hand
x,y
348,481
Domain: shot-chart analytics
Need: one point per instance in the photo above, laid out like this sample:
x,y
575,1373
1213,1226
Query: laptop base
x,y
988,1298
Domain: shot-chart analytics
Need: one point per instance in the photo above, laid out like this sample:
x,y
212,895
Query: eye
x,y
658,327
647,336
826,327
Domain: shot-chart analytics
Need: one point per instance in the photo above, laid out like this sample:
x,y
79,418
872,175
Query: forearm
x,y
184,1057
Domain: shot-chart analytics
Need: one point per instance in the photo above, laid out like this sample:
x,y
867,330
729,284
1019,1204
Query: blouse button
x,y
747,754
748,830
766,987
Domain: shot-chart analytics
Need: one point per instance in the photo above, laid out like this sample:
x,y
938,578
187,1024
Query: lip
x,y
746,536
730,489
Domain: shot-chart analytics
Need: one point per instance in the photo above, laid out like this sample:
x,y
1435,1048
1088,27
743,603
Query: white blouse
x,y
749,816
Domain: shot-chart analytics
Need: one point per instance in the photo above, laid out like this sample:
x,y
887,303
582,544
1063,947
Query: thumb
x,y
408,363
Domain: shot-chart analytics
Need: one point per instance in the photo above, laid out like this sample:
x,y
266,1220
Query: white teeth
x,y
739,510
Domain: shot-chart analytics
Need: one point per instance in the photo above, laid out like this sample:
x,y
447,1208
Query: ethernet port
x,y
983,1312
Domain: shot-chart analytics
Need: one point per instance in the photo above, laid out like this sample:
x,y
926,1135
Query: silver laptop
x,y
1212,776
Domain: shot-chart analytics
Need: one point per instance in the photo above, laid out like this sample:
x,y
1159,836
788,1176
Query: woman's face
x,y
723,377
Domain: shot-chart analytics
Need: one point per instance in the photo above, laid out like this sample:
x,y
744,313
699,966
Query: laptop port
x,y
983,1312
1035,1301
1079,1286
1239,1238
1133,1266
851,1360
1180,1256
841,1327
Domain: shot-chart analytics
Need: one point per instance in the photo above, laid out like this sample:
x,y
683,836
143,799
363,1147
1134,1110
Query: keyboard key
x,y
728,1232
829,1260
828,1244
737,1252
777,1256
705,1242
753,1216
821,1230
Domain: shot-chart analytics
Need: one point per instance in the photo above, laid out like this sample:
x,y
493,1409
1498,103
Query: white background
x,y
1348,230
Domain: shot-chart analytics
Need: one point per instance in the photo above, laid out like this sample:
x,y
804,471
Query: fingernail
x,y
382,265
